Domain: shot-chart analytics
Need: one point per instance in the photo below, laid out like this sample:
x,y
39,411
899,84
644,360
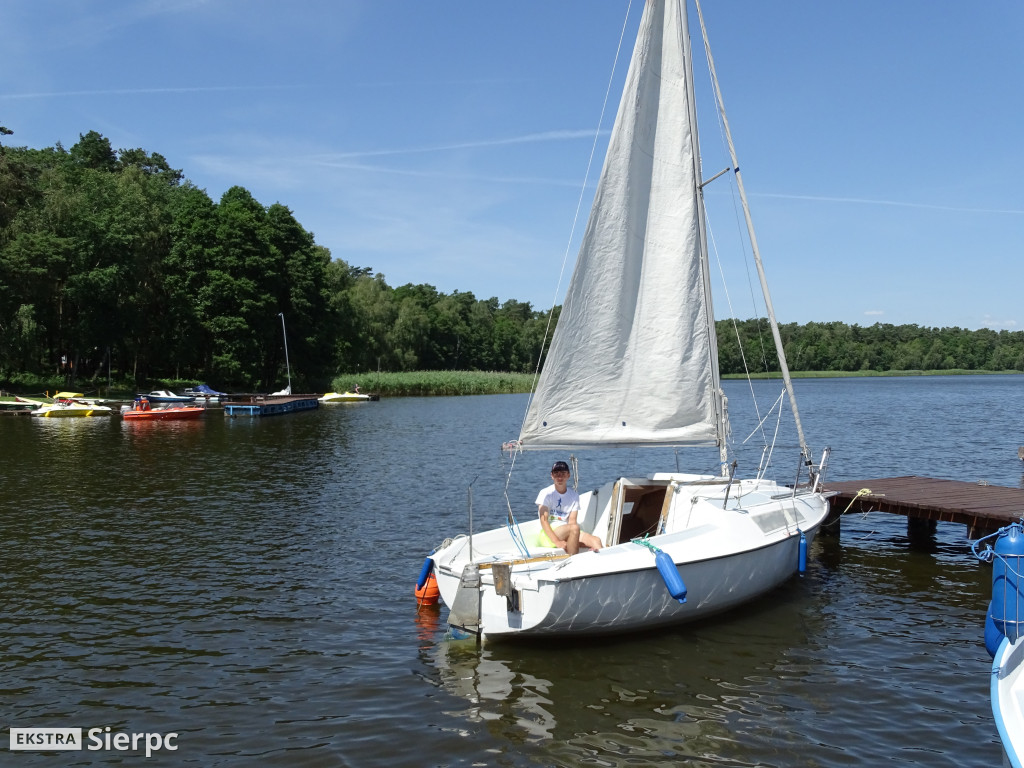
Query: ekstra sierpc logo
x,y
46,739
61,739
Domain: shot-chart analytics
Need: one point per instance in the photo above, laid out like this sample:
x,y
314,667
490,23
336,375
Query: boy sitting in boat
x,y
558,506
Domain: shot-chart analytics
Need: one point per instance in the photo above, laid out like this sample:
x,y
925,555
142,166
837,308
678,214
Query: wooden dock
x,y
926,501
259,405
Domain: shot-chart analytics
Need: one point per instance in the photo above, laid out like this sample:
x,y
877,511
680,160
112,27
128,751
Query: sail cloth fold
x,y
632,361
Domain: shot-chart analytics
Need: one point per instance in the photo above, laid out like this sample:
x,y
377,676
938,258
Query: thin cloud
x,y
143,91
436,83
447,175
990,323
896,203
530,138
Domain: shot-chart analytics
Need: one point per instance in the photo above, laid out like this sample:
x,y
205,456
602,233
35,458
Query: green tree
x,y
93,151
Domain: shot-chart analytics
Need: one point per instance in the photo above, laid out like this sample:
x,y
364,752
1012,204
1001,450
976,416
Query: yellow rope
x,y
861,492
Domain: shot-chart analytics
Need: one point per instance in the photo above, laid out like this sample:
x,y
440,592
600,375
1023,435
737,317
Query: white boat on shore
x,y
346,397
166,396
205,394
638,320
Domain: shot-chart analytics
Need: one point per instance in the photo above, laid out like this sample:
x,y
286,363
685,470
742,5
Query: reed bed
x,y
425,383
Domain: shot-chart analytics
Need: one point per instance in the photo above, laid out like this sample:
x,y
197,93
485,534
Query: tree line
x,y
112,264
113,261
881,347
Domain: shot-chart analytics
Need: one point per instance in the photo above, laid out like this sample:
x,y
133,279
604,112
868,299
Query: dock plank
x,y
982,508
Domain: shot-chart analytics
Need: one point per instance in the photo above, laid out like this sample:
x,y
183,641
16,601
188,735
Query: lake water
x,y
247,584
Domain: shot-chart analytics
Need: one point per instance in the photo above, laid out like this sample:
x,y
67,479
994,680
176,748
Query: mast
x,y
287,365
709,313
753,243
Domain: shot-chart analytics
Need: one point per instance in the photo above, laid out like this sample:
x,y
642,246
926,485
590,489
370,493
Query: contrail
x,y
527,139
137,91
897,203
445,175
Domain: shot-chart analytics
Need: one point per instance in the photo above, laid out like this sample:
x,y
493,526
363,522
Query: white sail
x,y
633,359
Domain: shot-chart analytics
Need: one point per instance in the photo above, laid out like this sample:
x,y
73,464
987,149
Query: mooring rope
x,y
861,492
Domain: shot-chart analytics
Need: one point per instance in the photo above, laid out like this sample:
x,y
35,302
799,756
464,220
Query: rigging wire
x,y
746,259
776,335
735,325
514,446
748,256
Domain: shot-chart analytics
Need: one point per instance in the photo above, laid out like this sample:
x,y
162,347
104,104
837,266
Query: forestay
x,y
634,357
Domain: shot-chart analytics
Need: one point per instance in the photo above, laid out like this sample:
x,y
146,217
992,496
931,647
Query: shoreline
x,y
455,383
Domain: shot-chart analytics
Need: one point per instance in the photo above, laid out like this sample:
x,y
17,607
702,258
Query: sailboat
x,y
633,363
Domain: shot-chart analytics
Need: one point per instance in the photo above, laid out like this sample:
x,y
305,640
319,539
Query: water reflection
x,y
651,698
494,690
794,681
429,624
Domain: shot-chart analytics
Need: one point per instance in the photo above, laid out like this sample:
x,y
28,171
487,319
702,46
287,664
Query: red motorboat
x,y
143,410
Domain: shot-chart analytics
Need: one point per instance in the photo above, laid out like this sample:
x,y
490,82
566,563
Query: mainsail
x,y
633,358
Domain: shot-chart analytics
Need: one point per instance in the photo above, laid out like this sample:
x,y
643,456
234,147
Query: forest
x,y
113,266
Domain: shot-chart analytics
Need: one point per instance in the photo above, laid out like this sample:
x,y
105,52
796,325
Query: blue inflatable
x,y
1007,607
670,575
993,637
428,566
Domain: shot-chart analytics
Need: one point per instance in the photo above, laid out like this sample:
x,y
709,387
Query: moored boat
x,y
27,404
633,363
1004,636
347,397
205,394
143,410
1008,698
166,395
71,405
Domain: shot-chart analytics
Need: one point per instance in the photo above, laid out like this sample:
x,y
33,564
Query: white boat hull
x,y
725,557
1008,698
72,410
344,397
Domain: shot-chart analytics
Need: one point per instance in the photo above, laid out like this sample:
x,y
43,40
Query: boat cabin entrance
x,y
638,510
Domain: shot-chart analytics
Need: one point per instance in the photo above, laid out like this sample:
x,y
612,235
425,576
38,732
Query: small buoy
x,y
993,637
670,575
428,594
802,560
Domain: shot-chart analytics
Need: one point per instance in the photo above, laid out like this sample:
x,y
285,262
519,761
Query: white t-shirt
x,y
559,505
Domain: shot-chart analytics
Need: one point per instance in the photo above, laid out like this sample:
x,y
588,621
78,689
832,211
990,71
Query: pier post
x,y
920,531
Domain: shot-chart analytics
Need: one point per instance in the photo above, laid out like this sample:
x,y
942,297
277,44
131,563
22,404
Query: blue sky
x,y
447,143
